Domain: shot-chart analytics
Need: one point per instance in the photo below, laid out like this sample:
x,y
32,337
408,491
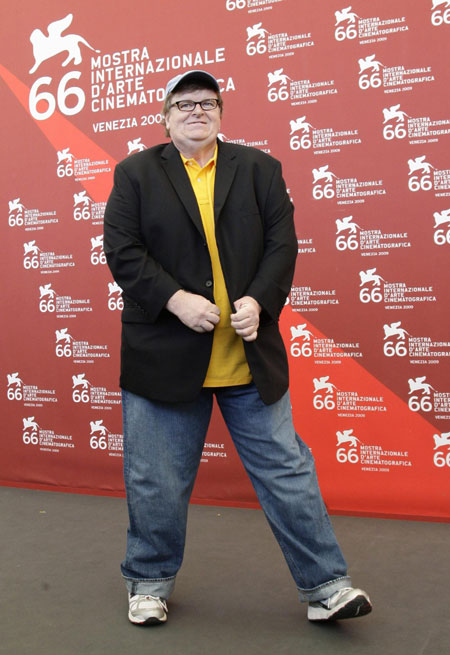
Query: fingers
x,y
210,320
249,302
201,315
247,334
244,323
245,320
195,311
206,318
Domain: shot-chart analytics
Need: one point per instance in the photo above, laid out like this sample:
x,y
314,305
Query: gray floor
x,y
62,594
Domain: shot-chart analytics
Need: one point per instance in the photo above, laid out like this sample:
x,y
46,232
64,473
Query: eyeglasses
x,y
189,105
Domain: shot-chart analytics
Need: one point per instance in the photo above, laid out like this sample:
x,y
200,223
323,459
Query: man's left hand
x,y
246,319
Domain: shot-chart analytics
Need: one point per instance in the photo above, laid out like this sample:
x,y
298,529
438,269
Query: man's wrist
x,y
173,303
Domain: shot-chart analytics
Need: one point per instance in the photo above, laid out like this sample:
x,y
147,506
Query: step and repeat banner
x,y
354,101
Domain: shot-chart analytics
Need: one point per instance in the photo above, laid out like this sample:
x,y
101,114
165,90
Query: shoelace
x,y
335,597
137,599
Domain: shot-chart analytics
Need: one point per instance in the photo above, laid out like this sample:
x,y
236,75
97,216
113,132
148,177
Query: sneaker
x,y
347,603
146,610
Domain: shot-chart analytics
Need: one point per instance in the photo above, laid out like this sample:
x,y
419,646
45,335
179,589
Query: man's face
x,y
196,127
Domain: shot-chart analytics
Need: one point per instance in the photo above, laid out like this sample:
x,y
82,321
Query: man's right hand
x,y
195,311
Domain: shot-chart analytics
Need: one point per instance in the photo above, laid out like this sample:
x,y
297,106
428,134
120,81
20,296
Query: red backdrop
x,y
354,101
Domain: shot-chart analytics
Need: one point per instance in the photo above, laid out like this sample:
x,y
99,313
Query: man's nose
x,y
198,109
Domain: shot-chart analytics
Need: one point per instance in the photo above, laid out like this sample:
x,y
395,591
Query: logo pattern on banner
x,y
63,306
29,394
440,12
85,209
350,26
398,125
251,5
32,219
367,339
441,235
115,301
392,79
261,144
98,397
282,87
81,352
46,47
261,41
420,350
424,397
323,140
350,236
45,262
46,440
376,289
441,450
327,396
80,169
304,343
102,439
350,450
326,185
423,176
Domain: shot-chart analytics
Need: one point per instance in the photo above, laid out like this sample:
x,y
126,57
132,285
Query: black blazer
x,y
155,244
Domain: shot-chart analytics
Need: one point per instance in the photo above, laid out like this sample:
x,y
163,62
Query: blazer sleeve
x,y
138,274
273,279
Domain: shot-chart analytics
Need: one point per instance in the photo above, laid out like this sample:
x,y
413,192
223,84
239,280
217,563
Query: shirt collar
x,y
193,162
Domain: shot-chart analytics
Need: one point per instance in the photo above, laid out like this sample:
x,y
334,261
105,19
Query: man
x,y
199,234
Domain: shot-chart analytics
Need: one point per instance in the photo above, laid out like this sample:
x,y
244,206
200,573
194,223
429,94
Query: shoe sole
x,y
152,620
359,606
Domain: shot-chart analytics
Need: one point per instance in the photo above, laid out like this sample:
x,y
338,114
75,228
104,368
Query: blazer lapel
x,y
174,167
225,172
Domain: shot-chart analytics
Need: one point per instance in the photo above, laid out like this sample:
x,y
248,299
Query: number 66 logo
x,y
47,305
351,455
324,401
231,5
37,97
278,94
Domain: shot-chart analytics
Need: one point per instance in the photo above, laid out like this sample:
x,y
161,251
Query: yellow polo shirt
x,y
228,364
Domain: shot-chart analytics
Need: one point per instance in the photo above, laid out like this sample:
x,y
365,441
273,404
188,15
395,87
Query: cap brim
x,y
192,76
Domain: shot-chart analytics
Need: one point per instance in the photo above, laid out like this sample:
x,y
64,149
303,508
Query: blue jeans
x,y
163,444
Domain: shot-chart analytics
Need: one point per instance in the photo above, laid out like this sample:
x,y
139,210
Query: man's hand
x,y
246,319
195,311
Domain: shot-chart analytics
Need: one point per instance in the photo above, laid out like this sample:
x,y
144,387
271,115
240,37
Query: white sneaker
x,y
146,610
347,603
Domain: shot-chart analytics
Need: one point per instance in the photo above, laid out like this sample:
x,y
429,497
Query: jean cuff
x,y
161,587
324,590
